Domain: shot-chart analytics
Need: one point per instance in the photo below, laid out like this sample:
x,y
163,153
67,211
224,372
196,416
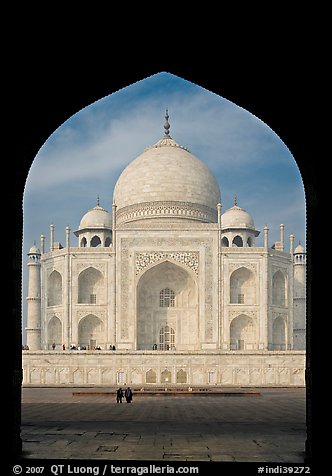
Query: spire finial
x,y
235,200
98,201
166,125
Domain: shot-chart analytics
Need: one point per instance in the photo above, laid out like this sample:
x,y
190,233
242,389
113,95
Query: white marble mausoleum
x,y
171,281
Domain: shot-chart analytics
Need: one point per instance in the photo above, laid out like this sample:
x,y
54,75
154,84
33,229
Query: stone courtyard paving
x,y
265,427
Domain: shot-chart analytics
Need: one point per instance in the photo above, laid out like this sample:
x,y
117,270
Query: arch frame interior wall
x,y
311,220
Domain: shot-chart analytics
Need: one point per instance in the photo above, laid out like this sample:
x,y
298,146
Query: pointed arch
x,y
90,286
95,241
54,332
225,242
279,333
237,241
250,242
54,289
279,289
301,157
181,376
242,333
242,286
159,260
136,377
151,376
91,331
166,376
167,295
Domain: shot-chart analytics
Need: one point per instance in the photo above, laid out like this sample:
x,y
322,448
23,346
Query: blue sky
x,y
84,157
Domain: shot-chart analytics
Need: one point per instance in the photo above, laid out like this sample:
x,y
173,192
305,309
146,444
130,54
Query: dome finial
x,y
166,125
235,200
98,201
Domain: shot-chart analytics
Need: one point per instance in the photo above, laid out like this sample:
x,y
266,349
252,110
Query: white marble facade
x,y
166,271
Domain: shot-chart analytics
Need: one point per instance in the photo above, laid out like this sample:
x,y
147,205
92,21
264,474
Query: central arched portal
x,y
167,309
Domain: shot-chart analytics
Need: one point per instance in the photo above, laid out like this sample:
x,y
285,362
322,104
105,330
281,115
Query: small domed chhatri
x,y
34,250
238,227
166,290
237,217
299,249
95,229
97,217
166,181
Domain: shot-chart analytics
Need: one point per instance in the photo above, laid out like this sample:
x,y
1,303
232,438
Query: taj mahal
x,y
165,288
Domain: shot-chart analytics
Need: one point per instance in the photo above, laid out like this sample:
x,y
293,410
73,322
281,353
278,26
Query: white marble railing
x,y
232,368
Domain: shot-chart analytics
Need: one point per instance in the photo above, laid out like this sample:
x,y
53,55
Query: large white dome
x,y
166,180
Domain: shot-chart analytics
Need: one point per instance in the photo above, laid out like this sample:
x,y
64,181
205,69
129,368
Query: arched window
x,y
54,289
166,298
91,331
167,338
242,287
249,242
108,241
83,242
95,242
225,242
279,334
54,333
242,333
237,242
90,286
279,289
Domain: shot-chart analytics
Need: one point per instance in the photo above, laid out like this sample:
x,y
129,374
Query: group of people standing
x,y
128,394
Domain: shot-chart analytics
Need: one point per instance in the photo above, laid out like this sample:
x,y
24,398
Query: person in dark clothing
x,y
119,395
128,395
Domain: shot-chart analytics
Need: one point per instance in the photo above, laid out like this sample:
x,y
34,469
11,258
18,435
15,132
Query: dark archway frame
x,y
40,106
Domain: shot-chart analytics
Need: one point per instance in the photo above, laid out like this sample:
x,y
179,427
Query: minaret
x,y
34,300
282,235
299,296
266,237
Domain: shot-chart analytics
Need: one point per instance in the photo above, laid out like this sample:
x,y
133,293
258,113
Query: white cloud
x,y
212,128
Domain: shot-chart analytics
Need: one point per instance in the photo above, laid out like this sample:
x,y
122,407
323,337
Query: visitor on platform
x,y
119,395
128,395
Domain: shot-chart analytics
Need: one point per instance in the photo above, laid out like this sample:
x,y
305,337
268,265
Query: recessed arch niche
x,y
54,332
152,313
91,332
243,333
